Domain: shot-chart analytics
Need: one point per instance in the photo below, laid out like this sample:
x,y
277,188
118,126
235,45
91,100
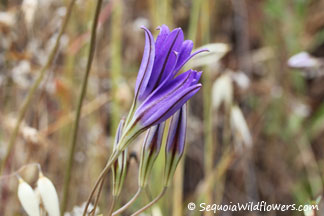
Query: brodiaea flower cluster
x,y
160,91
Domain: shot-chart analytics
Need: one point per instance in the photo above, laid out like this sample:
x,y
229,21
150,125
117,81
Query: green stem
x,y
111,209
116,61
151,203
112,159
33,88
194,19
98,195
122,209
78,113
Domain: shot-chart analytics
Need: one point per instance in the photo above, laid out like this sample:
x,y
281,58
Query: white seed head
x,y
241,79
222,91
48,195
28,198
240,126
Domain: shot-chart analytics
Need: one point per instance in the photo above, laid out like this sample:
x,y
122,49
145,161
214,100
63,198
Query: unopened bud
x,y
150,150
175,143
119,169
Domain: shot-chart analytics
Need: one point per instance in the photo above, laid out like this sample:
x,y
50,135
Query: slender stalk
x,y
194,19
209,147
112,205
123,208
112,159
34,87
177,191
116,61
151,203
79,105
97,198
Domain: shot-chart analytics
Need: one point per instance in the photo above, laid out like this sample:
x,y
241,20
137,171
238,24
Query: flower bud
x,y
48,195
222,91
150,150
175,143
119,169
28,198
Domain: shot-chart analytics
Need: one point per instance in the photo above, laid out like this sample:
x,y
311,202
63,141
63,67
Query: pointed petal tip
x,y
145,29
197,86
163,26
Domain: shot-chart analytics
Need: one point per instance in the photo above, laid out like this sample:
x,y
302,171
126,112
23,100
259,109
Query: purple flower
x,y
159,90
175,143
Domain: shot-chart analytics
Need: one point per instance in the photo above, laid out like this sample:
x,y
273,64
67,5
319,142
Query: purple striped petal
x,y
185,52
165,60
164,32
146,65
157,115
168,87
185,58
160,107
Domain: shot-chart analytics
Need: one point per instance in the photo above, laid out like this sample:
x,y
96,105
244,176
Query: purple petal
x,y
166,107
146,65
164,32
177,132
196,77
165,60
183,61
185,51
167,88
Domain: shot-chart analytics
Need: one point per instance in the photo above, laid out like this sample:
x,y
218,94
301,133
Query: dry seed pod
x,y
48,195
222,91
28,198
240,126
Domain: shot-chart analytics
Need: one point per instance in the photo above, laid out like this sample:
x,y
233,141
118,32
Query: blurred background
x,y
255,129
